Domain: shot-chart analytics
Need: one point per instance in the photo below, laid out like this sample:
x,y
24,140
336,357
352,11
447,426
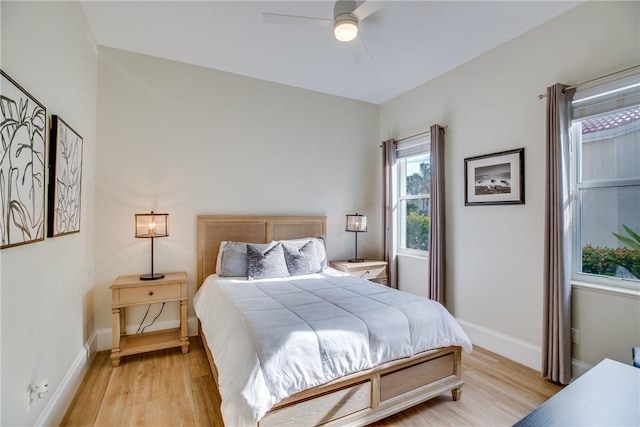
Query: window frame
x,y
577,184
416,147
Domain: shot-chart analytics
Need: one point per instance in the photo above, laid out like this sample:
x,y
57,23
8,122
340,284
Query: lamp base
x,y
355,260
154,276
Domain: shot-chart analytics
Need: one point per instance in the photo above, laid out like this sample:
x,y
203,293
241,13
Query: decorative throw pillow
x,y
234,262
318,243
302,260
266,262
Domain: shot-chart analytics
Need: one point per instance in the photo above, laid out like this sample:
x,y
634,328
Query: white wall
x,y
490,104
413,274
47,49
187,140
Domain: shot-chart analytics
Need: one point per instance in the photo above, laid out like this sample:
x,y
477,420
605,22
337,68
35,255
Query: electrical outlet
x,y
575,336
35,390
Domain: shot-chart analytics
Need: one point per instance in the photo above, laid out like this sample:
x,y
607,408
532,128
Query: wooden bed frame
x,y
357,399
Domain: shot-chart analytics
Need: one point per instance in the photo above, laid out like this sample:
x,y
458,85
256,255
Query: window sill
x,y
607,289
414,255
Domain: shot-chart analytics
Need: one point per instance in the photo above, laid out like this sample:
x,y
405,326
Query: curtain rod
x,y
615,73
417,134
413,136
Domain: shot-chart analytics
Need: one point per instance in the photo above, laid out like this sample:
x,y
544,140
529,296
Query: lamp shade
x,y
356,222
152,225
345,30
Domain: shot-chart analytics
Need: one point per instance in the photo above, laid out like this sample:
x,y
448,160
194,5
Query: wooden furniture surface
x,y
355,400
128,291
606,395
373,270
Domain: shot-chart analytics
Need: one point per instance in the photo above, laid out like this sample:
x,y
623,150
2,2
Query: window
x,y
414,186
606,183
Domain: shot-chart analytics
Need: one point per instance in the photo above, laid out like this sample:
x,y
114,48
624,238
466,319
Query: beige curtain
x,y
437,218
388,176
556,345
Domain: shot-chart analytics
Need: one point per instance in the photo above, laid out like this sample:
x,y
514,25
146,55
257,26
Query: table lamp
x,y
150,226
358,224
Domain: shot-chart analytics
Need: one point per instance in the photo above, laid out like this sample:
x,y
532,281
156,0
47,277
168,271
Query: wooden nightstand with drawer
x,y
129,291
375,271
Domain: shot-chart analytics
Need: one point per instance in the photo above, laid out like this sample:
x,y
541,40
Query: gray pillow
x,y
318,242
302,260
266,262
234,261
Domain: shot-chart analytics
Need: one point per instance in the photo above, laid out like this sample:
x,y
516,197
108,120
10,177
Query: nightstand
x,y
375,271
128,291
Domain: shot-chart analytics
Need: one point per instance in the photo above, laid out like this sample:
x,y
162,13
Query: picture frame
x,y
495,179
65,179
23,129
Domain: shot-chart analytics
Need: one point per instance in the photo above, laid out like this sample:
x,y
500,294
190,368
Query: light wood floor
x,y
168,388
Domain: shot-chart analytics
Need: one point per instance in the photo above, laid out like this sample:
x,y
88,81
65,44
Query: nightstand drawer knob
x,y
150,293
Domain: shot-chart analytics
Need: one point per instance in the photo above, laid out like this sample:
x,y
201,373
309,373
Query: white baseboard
x,y
512,348
104,335
62,396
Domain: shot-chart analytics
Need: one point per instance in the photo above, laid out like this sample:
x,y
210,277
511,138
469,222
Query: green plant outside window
x,y
606,261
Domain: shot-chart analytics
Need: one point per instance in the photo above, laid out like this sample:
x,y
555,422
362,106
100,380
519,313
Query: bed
x,y
355,398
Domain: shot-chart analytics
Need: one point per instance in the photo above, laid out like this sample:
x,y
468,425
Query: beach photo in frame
x,y
23,129
495,179
65,179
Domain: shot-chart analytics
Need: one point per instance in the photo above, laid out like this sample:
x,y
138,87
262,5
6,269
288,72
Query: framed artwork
x,y
495,179
23,129
65,179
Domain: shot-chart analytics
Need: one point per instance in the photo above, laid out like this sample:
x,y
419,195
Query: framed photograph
x,y
65,179
495,179
23,128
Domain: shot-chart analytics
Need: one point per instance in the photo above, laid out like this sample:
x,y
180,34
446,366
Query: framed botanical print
x,y
65,179
495,179
23,129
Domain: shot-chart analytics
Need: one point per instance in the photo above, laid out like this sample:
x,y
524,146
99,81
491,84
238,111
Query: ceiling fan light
x,y
345,30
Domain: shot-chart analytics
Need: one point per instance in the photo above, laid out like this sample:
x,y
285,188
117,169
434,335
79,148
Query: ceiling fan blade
x,y
276,18
366,8
359,50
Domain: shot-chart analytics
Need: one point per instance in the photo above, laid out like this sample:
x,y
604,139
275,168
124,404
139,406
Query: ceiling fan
x,y
346,16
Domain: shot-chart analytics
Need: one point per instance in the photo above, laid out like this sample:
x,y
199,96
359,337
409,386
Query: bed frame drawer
x,y
322,409
410,378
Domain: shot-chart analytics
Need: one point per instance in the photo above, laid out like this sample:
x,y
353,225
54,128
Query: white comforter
x,y
272,338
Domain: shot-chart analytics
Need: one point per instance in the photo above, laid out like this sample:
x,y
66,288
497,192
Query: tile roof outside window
x,y
610,121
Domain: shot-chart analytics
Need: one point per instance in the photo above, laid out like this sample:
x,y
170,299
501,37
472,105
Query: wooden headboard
x,y
213,229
